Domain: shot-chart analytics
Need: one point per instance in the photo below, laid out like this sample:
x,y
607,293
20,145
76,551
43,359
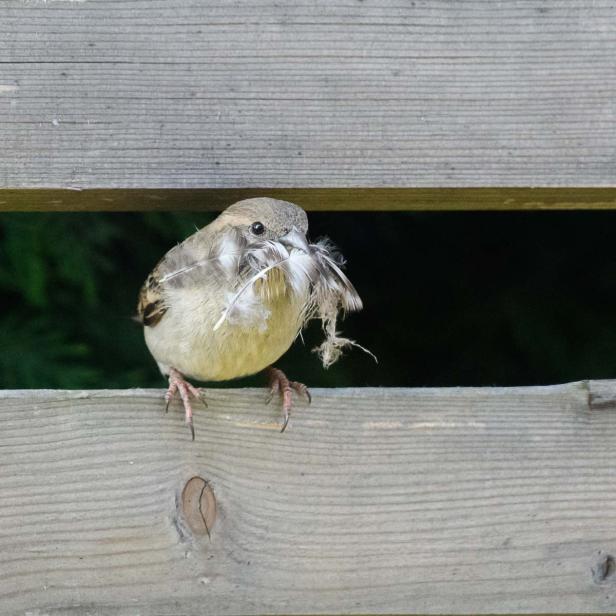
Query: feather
x,y
317,275
183,266
247,289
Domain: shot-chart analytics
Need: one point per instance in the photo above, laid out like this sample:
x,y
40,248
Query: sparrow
x,y
230,300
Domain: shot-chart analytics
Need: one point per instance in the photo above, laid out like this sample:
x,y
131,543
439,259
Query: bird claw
x,y
280,384
302,390
177,383
202,398
285,422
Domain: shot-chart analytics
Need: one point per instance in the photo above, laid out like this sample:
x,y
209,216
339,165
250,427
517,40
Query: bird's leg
x,y
177,383
280,384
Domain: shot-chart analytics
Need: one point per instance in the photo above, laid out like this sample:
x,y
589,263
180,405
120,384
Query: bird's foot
x,y
280,384
177,383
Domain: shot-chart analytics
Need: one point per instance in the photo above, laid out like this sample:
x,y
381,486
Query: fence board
x,y
333,93
375,500
349,199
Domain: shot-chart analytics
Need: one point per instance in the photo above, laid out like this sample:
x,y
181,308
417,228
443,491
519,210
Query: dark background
x,y
469,298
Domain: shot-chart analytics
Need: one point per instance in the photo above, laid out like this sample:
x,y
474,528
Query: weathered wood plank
x,y
350,199
332,93
378,500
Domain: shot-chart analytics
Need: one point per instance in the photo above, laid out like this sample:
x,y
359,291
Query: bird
x,y
230,300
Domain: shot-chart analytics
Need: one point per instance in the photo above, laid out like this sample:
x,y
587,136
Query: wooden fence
x,y
377,500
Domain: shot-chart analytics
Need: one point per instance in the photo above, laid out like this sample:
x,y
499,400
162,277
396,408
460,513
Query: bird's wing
x,y
199,260
151,306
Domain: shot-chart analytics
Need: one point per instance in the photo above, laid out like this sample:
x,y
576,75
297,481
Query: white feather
x,y
250,304
316,275
228,255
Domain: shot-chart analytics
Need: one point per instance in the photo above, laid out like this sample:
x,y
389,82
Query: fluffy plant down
x,y
314,276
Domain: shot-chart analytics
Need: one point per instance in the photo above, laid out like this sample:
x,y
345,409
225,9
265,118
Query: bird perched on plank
x,y
230,300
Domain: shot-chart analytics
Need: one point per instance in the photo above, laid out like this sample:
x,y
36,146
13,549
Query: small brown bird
x,y
231,299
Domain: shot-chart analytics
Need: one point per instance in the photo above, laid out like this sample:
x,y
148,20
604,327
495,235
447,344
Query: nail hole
x,y
603,568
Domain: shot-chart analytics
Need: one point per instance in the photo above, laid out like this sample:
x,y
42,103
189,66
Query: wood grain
x,y
374,501
331,93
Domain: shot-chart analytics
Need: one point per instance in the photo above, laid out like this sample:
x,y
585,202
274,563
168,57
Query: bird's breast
x,y
186,337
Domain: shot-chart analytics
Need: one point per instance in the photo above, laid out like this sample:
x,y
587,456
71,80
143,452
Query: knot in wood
x,y
199,506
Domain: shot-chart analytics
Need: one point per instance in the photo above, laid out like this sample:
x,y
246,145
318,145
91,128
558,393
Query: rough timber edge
x,y
315,199
598,393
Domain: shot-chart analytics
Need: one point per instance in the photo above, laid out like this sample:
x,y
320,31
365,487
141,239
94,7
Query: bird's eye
x,y
258,228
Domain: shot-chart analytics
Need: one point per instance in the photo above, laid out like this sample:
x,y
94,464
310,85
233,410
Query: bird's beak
x,y
295,239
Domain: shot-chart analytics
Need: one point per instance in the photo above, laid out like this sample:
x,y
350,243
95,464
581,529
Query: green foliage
x,y
68,284
35,353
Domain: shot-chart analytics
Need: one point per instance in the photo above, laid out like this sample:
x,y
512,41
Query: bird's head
x,y
263,218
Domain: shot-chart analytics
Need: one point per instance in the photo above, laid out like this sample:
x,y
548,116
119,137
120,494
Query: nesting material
x,y
312,274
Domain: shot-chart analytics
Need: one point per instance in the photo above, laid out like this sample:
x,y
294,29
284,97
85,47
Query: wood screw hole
x,y
603,567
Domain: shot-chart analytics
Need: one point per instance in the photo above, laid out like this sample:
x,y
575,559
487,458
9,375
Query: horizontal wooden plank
x,y
332,93
349,199
374,501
